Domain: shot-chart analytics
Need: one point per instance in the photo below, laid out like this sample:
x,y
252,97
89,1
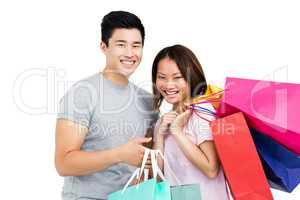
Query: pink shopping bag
x,y
272,108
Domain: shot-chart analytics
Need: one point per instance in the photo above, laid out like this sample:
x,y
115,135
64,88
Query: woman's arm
x,y
159,145
203,156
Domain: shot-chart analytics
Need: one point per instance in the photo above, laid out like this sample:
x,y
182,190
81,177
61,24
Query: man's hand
x,y
132,152
148,167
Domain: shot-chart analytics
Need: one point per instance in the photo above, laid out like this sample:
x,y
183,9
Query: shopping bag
x,y
179,191
282,167
213,95
270,107
239,158
186,192
147,190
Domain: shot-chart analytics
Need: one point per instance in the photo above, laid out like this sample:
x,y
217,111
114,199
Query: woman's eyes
x,y
177,77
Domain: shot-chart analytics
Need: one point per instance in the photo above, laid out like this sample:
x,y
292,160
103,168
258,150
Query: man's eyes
x,y
121,45
124,45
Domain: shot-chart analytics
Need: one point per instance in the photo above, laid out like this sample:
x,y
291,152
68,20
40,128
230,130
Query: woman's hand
x,y
179,122
166,120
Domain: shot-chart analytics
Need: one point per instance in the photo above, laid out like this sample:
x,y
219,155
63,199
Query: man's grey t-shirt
x,y
113,114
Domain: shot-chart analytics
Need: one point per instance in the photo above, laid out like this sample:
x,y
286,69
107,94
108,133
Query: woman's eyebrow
x,y
177,73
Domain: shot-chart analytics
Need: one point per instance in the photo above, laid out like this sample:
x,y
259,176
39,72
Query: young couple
x,y
103,119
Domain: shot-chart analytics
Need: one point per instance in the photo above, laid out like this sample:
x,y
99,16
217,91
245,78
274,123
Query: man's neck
x,y
116,78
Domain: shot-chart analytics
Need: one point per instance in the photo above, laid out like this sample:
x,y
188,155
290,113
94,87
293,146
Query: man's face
x,y
124,51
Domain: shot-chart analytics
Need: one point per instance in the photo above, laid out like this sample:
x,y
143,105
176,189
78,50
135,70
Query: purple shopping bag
x,y
272,108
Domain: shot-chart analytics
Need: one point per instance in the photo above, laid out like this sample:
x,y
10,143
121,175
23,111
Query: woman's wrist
x,y
176,130
178,134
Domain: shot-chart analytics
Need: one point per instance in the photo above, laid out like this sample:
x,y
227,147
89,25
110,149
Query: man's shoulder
x,y
91,79
142,91
88,84
144,96
83,89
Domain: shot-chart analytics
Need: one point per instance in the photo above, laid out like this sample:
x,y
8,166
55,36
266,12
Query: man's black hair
x,y
120,19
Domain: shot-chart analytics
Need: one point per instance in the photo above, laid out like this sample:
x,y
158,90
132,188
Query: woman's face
x,y
170,82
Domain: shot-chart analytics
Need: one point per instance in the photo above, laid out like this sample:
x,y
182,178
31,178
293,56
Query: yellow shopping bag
x,y
213,95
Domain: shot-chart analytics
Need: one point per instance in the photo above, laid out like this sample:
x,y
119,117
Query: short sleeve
x,y
76,105
201,127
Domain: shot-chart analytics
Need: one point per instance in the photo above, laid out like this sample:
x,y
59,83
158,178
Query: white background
x,y
46,44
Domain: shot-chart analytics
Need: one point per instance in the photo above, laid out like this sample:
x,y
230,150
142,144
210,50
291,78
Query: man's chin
x,y
127,72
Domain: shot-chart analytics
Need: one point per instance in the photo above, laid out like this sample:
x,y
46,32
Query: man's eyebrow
x,y
137,42
123,41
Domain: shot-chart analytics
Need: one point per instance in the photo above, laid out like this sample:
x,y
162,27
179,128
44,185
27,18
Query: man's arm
x,y
70,160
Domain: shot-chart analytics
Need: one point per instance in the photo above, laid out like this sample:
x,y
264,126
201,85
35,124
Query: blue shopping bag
x,y
282,167
186,192
147,190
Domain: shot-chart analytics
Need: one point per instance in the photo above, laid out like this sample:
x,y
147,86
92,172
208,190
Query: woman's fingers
x,y
170,114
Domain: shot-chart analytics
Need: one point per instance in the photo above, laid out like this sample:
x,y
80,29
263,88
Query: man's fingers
x,y
143,140
148,166
134,182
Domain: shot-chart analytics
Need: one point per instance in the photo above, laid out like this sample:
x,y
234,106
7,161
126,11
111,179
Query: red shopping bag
x,y
239,158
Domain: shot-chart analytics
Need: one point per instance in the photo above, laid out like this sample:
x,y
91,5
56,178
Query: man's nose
x,y
129,51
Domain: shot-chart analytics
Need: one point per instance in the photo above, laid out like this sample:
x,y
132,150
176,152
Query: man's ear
x,y
103,47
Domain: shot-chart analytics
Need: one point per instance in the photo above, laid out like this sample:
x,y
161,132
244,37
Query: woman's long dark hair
x,y
188,65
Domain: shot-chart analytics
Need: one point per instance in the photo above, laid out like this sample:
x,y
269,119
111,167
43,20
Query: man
x,y
103,119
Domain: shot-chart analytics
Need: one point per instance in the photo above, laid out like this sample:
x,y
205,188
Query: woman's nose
x,y
170,84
